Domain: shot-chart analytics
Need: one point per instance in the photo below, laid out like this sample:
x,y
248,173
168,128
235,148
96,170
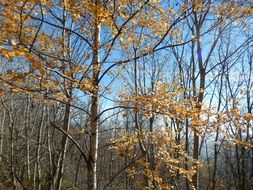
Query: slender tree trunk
x,y
66,119
187,150
217,134
64,143
2,135
49,152
144,153
92,178
27,135
92,162
37,167
200,98
243,169
11,141
77,170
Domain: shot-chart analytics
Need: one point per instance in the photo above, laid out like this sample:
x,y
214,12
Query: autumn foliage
x,y
128,94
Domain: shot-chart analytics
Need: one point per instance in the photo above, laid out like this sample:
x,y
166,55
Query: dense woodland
x,y
126,94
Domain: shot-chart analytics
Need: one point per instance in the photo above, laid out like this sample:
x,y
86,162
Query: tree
x,y
70,68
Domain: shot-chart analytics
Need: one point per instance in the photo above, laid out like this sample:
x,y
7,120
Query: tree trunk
x,y
92,162
64,143
2,135
92,178
217,133
37,167
27,135
49,153
11,140
200,98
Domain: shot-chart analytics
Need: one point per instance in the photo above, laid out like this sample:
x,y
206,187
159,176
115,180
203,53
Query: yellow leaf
x,y
36,65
